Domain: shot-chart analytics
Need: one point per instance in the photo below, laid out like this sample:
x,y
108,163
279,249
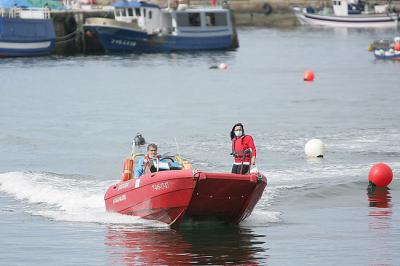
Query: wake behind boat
x,y
145,27
176,192
349,13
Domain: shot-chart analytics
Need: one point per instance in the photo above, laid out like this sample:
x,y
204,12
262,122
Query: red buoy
x,y
397,46
380,174
308,75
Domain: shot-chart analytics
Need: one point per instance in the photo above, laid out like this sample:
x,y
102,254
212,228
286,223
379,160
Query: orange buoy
x,y
397,46
308,75
380,175
128,169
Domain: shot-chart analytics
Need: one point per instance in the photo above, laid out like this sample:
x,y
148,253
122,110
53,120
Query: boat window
x,y
216,19
124,12
137,11
130,12
150,14
188,19
194,19
144,12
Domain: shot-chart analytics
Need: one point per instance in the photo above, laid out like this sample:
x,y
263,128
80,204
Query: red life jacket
x,y
240,145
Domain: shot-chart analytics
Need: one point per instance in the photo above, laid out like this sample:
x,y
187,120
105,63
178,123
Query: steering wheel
x,y
169,158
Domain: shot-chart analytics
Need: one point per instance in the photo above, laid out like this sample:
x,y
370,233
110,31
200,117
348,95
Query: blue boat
x,y
387,49
387,54
26,32
144,27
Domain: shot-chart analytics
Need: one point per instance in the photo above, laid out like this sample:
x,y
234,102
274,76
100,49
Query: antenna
x,y
133,148
177,147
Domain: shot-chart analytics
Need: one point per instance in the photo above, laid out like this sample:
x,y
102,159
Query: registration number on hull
x,y
123,42
160,186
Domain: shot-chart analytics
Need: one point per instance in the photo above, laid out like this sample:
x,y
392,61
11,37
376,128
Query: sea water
x,y
67,124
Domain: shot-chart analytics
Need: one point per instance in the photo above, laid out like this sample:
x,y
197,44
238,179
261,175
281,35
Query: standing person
x,y
146,164
243,151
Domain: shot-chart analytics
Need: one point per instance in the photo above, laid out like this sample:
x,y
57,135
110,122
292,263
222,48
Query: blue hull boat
x,y
26,32
389,54
140,27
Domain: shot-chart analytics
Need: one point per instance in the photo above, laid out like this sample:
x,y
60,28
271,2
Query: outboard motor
x,y
139,140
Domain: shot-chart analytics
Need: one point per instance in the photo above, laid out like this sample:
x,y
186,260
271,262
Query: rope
x,y
67,37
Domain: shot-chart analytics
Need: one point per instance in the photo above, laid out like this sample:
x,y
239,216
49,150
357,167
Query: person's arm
x,y
253,150
139,168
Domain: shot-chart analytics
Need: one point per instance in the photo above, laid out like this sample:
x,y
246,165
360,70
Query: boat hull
x,y
26,37
125,40
173,196
386,55
351,21
226,197
162,196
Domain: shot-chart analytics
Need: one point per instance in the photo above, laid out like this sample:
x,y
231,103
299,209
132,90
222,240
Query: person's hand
x,y
253,169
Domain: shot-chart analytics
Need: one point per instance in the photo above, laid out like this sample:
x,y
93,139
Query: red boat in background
x,y
170,196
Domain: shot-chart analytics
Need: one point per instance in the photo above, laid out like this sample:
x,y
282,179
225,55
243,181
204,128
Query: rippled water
x,y
67,123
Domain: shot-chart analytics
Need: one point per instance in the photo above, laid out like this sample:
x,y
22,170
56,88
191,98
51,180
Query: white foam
x,y
262,218
66,199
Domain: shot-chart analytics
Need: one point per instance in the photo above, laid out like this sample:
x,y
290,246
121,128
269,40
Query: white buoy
x,y
222,66
315,148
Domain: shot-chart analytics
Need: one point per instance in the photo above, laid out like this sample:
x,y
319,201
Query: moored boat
x,y
145,27
26,32
350,14
179,193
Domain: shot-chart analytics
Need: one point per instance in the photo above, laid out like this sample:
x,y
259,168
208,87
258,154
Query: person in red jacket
x,y
243,151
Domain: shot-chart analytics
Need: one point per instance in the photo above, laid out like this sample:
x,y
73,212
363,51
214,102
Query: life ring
x,y
128,169
266,9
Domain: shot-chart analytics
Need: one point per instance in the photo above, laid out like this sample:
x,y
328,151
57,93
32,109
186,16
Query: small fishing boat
x,y
387,49
349,13
26,32
145,27
389,54
176,192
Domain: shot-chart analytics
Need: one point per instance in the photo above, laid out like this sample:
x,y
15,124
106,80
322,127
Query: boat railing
x,y
26,13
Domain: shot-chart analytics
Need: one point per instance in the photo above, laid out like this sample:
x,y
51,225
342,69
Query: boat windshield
x,y
163,163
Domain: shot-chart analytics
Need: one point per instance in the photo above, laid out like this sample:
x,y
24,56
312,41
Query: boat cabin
x,y
347,7
180,21
355,7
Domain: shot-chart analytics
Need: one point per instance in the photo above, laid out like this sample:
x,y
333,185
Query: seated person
x,y
146,163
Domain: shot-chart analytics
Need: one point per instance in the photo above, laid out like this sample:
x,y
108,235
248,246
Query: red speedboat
x,y
170,196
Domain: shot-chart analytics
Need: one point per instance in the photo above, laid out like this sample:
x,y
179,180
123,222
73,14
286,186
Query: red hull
x,y
169,196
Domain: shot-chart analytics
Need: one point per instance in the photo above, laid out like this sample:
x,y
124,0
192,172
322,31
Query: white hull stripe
x,y
137,183
29,45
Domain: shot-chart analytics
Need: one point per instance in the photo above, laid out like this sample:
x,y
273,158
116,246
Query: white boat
x,y
140,27
349,13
